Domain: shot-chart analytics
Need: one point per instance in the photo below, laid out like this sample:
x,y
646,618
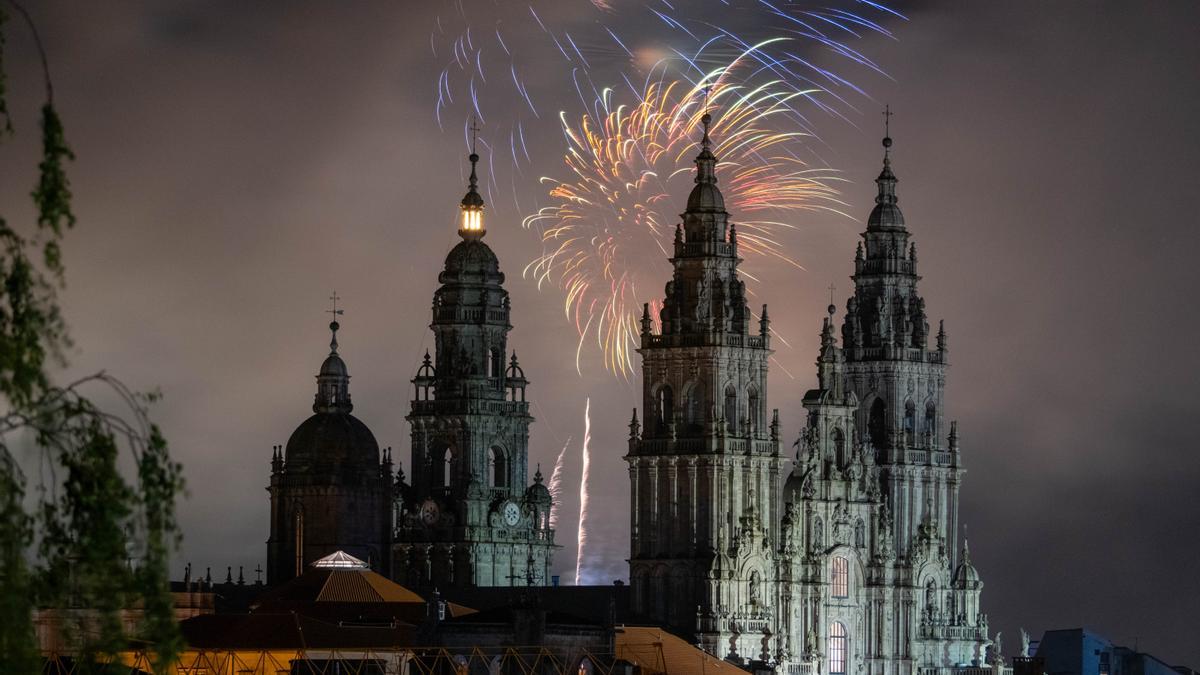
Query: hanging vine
x,y
96,543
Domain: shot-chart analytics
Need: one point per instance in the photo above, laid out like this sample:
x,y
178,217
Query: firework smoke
x,y
583,490
556,484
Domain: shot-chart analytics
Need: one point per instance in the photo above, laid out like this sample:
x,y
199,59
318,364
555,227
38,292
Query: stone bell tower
x,y
871,583
470,517
704,467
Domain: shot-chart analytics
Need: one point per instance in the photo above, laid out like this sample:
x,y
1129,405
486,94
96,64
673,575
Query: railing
x,y
894,354
465,314
705,340
470,406
698,248
886,266
705,446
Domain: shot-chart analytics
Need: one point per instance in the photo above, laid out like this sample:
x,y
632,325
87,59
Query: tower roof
x,y
332,445
333,379
886,215
706,196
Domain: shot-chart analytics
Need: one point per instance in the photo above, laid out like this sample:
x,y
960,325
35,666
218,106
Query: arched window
x,y
754,412
695,405
447,472
839,577
839,446
496,364
837,649
877,426
731,411
497,468
931,423
910,423
664,407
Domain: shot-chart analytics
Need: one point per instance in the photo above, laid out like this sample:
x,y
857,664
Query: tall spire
x,y
886,215
471,225
333,380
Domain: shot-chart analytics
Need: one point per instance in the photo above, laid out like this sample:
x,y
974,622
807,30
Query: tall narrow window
x,y
497,468
931,423
839,577
731,411
839,446
878,425
695,405
910,422
665,407
497,364
837,649
753,410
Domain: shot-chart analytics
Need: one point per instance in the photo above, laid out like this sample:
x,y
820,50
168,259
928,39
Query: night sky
x,y
236,164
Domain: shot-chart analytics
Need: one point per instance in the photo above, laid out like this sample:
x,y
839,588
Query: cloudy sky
x,y
236,164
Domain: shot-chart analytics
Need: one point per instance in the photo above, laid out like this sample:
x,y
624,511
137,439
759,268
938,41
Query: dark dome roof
x,y
472,255
333,446
705,197
885,217
334,366
538,493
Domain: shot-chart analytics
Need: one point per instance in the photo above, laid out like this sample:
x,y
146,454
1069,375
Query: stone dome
x,y
706,197
333,366
332,446
966,576
538,493
886,217
472,256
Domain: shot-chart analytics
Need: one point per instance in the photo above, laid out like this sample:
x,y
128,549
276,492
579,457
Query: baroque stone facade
x,y
853,566
470,517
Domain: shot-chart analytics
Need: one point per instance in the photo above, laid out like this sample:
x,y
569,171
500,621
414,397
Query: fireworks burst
x,y
512,65
583,490
615,216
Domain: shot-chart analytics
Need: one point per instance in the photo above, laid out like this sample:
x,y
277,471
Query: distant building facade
x,y
470,517
854,566
1078,651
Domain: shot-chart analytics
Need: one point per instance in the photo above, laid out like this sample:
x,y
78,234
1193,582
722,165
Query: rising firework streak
x,y
583,490
556,484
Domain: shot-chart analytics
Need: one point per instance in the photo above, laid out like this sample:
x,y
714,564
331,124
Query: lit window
x,y
837,649
840,577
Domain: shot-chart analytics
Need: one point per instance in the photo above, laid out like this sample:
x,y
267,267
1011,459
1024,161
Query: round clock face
x,y
512,514
429,512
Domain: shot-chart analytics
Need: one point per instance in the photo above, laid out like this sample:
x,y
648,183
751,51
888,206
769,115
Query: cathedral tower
x,y
469,517
704,467
329,489
870,580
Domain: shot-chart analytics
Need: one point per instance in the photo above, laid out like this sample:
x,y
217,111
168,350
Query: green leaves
x,y
99,542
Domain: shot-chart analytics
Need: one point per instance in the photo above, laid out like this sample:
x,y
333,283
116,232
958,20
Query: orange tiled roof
x,y
658,652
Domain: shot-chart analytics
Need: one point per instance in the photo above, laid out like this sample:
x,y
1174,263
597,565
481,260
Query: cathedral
x,y
852,563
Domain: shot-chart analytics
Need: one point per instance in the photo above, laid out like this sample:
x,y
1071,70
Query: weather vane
x,y
335,311
474,130
887,120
